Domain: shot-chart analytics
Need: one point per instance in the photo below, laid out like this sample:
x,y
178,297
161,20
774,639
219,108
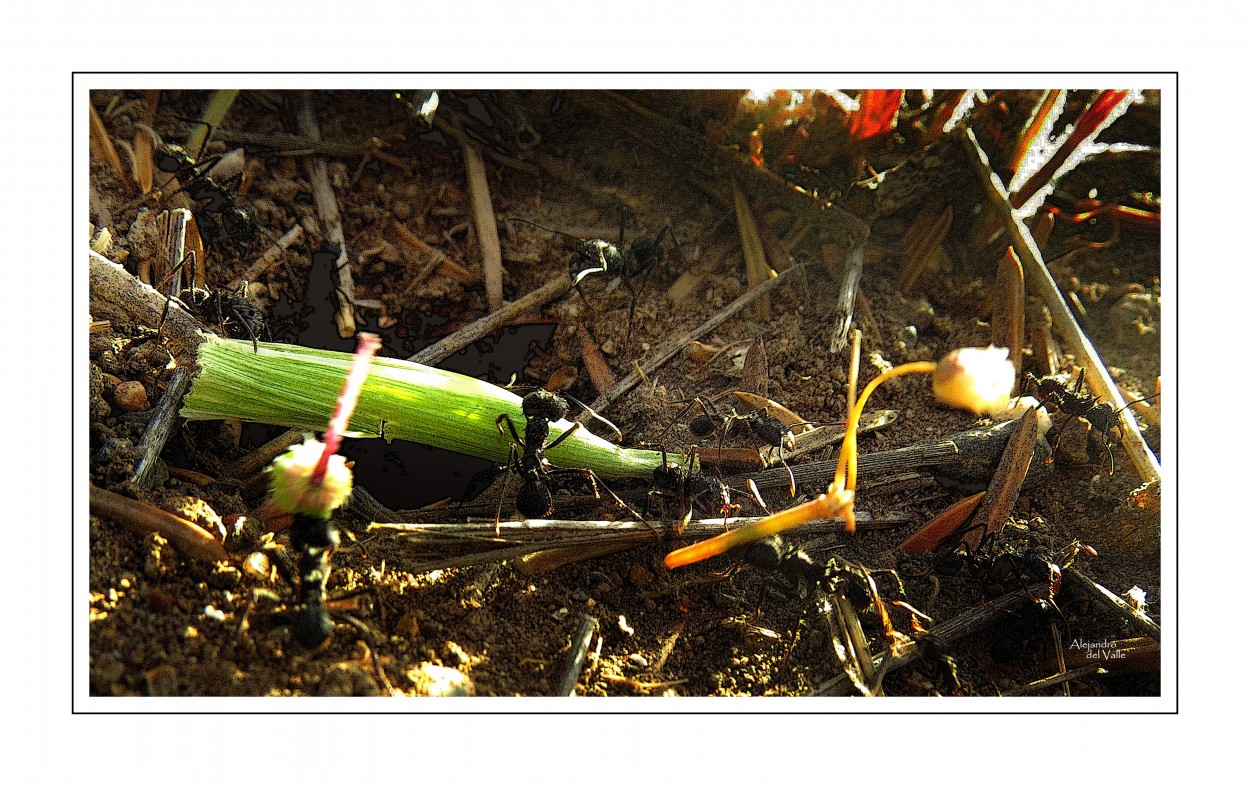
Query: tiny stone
x,y
130,396
257,565
159,600
640,576
432,680
106,671
407,627
225,577
162,681
346,679
457,654
638,660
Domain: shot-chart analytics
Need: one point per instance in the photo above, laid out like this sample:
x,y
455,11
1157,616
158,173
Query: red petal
x,y
877,113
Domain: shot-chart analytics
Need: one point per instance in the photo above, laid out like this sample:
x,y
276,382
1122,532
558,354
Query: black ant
x,y
999,570
1102,416
315,539
601,257
768,428
216,211
535,499
232,313
1004,569
695,490
801,574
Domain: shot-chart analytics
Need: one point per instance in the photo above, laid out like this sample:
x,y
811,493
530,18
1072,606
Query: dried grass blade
x,y
1107,106
1004,490
188,537
143,149
597,367
758,270
104,148
941,526
1040,282
1007,311
929,233
1044,116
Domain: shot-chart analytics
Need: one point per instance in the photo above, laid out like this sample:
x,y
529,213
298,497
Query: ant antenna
x,y
616,432
545,229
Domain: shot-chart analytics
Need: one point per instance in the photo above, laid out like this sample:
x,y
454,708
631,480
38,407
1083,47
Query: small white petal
x,y
979,380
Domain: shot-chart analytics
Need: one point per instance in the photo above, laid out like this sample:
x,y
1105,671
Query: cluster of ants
x,y
221,221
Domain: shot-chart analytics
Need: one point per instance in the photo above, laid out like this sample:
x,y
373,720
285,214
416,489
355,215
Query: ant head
x,y
703,425
648,250
172,158
950,562
594,256
544,404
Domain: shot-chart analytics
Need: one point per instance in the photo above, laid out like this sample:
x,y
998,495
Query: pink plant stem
x,y
367,345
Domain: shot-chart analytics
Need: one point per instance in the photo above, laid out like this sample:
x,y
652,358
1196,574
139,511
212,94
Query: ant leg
x,y
753,495
629,323
782,458
499,421
175,287
247,323
623,504
511,465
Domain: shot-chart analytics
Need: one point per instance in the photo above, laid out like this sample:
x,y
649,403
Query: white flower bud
x,y
979,380
290,479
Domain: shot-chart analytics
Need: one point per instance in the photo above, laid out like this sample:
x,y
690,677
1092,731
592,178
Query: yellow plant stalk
x,y
976,379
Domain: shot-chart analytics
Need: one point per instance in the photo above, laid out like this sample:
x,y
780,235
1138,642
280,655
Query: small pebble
x,y
162,681
130,396
347,679
408,627
638,660
434,680
457,653
159,600
640,577
257,565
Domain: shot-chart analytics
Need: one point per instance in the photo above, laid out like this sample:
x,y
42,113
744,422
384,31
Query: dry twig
x,y
188,537
483,213
450,345
577,658
1039,280
666,352
164,419
328,211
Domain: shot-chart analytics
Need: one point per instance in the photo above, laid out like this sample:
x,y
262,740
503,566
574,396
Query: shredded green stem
x,y
297,387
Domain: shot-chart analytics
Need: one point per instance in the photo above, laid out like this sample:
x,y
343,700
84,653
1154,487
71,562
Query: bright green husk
x,y
292,386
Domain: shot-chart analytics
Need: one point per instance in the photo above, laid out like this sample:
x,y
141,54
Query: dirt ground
x,y
164,624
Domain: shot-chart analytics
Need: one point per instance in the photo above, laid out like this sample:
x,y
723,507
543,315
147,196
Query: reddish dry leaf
x,y
941,526
877,113
1093,117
